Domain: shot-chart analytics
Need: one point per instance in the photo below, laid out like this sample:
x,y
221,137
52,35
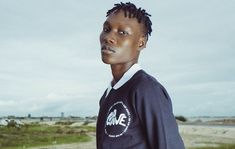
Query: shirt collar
x,y
127,76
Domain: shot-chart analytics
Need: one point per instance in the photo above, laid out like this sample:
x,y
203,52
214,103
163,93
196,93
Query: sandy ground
x,y
193,136
204,135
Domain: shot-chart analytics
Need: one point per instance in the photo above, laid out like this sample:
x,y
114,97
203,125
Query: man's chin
x,y
104,60
107,61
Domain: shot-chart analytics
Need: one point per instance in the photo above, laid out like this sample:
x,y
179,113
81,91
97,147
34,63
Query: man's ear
x,y
142,42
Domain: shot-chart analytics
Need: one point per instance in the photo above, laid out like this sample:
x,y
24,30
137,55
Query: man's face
x,y
121,39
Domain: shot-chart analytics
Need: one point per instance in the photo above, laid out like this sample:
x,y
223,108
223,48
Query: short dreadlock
x,y
133,12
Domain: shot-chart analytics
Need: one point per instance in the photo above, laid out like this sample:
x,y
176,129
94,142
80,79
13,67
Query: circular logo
x,y
118,120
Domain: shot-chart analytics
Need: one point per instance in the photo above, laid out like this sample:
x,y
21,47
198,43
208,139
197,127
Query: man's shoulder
x,y
143,80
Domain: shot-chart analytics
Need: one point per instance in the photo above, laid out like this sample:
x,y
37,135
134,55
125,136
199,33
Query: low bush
x,y
64,123
181,118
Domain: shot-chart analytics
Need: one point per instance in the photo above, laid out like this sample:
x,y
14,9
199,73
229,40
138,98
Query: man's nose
x,y
110,38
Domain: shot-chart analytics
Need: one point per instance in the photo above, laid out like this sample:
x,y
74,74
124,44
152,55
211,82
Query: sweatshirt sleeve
x,y
154,109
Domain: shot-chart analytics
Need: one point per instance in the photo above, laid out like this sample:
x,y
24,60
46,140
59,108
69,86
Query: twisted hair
x,y
133,12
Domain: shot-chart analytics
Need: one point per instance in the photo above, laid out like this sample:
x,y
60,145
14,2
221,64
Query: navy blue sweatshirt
x,y
138,115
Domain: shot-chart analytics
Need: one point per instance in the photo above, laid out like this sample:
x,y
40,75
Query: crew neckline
x,y
126,77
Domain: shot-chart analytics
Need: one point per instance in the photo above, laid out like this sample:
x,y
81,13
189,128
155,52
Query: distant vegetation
x,y
181,118
64,123
36,134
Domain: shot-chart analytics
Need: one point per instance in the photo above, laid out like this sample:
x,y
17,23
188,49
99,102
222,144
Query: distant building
x,y
62,114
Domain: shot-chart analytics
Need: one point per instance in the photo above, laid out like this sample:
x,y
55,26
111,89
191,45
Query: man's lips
x,y
107,49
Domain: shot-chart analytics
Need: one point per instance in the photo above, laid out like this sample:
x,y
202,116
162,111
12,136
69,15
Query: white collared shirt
x,y
127,76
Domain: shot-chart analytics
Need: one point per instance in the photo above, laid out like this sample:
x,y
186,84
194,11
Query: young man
x,y
135,110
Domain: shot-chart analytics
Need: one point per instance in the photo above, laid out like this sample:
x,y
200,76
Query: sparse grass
x,y
221,146
39,135
88,128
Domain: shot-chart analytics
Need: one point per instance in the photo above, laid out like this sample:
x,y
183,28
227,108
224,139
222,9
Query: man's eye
x,y
123,33
105,29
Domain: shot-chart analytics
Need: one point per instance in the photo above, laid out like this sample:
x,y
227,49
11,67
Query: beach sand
x,y
206,135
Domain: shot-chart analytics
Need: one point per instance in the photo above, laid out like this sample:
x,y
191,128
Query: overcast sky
x,y
50,55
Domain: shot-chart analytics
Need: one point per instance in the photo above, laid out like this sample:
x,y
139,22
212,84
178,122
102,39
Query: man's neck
x,y
118,71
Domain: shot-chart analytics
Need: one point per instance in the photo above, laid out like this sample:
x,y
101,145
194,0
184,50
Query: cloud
x,y
50,56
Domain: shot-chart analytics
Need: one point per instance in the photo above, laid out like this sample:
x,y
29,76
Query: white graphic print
x,y
118,120
112,120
